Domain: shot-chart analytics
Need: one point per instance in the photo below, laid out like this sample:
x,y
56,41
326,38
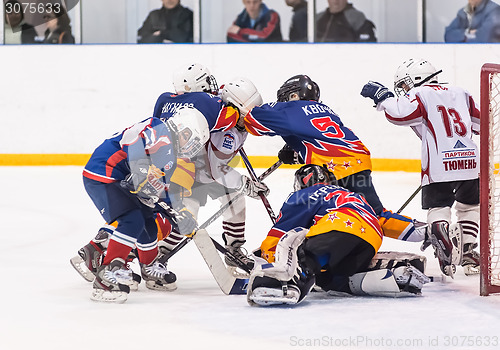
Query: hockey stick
x,y
255,178
409,199
175,215
420,83
214,217
228,283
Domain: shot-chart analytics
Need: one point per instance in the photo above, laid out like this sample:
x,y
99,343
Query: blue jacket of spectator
x,y
265,29
478,26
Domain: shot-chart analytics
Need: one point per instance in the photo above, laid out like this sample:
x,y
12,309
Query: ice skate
x,y
447,246
238,252
112,282
157,276
470,260
88,260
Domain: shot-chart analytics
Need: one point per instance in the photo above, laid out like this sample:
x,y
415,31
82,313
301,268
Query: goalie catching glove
x,y
145,181
376,91
288,156
251,188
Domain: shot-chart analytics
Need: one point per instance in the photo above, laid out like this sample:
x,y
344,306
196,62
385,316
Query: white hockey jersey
x,y
444,117
220,150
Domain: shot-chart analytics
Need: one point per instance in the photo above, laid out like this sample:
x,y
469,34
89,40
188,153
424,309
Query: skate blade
x,y
80,267
471,270
450,270
238,273
101,295
167,287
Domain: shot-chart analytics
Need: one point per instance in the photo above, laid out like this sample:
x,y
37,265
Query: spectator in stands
x,y
298,28
256,23
58,28
17,31
475,23
341,22
173,23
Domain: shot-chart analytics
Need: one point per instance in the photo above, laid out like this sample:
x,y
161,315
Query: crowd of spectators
x,y
478,21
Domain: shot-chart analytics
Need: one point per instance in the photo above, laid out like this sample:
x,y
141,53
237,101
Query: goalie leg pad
x,y
408,281
375,283
392,260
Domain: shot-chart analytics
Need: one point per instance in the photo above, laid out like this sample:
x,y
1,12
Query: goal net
x,y
490,179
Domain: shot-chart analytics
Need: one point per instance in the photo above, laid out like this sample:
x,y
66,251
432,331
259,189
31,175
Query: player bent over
x,y
329,236
314,134
444,117
125,177
214,176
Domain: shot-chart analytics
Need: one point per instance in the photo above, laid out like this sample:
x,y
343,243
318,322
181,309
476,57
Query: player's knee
x,y
439,214
131,223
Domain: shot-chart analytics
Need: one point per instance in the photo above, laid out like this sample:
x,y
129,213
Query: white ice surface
x,y
46,216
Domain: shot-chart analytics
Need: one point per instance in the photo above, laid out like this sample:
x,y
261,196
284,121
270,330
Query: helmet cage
x,y
192,147
312,174
399,88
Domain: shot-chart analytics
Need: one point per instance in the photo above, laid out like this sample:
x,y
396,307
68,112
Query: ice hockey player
x,y
328,237
240,95
214,176
126,176
314,134
202,87
444,117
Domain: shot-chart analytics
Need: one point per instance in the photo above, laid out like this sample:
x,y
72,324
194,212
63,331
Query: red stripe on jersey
x,y
185,169
276,233
228,117
97,177
254,127
419,112
473,110
112,161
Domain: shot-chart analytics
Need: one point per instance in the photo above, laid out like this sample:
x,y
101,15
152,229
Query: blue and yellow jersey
x,y
149,139
314,131
321,209
219,116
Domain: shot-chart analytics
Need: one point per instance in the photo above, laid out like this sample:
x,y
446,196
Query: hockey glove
x,y
251,188
376,91
186,223
146,183
288,156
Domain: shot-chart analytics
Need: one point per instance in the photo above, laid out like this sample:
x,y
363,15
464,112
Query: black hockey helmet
x,y
312,174
300,84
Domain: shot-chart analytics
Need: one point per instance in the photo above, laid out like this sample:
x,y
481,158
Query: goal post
x,y
490,179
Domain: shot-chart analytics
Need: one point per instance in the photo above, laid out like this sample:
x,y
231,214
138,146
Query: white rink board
x,y
67,99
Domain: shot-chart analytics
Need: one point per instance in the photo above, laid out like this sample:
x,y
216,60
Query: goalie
x,y
328,237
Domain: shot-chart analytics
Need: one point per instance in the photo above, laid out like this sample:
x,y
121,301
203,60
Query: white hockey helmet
x,y
193,125
414,72
194,78
241,93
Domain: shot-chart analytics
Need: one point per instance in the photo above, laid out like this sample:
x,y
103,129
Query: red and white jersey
x,y
444,117
220,150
